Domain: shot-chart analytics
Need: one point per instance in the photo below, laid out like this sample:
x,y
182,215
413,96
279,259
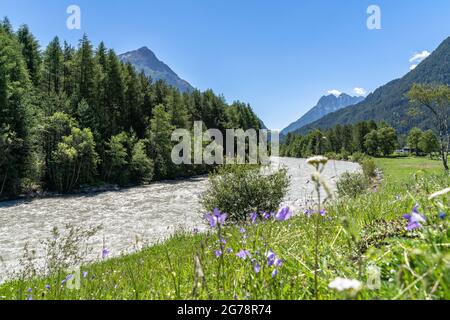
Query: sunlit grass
x,y
400,170
357,235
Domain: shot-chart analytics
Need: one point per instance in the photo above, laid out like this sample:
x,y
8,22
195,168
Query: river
x,y
131,218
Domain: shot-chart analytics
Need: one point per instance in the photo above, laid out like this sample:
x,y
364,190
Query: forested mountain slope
x,y
390,103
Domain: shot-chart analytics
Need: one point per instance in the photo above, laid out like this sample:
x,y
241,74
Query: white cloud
x,y
413,67
335,92
419,56
359,92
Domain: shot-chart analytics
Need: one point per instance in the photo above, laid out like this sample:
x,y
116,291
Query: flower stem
x,y
316,245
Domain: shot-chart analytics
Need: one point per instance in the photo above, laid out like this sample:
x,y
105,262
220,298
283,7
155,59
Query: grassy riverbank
x,y
363,238
400,169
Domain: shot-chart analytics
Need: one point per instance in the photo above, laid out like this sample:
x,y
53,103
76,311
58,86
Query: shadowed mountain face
x,y
390,102
145,60
326,105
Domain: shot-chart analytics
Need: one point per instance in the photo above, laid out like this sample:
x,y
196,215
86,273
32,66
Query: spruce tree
x,y
15,116
52,70
30,52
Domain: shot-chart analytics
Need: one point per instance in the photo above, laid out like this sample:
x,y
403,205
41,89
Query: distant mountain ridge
x,y
390,102
326,105
145,60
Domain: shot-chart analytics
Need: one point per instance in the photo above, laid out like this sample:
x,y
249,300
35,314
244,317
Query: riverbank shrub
x,y
141,166
369,167
352,184
74,160
240,189
358,157
127,161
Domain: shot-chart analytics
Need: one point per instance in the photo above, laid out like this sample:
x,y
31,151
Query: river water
x,y
131,218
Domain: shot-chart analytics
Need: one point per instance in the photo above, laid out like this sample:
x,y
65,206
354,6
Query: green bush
x,y
116,160
74,160
369,167
127,161
243,189
333,156
141,166
358,157
352,184
345,155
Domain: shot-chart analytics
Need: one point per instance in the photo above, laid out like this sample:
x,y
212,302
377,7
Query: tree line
x,y
74,116
366,137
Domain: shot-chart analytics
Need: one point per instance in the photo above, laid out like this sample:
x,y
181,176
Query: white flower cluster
x,y
342,284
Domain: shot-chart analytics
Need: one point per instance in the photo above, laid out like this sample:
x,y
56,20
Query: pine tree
x,y
85,72
115,94
52,68
15,116
360,130
6,26
68,69
178,110
30,52
159,135
132,116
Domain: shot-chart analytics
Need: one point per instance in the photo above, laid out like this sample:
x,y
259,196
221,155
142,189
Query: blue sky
x,y
280,56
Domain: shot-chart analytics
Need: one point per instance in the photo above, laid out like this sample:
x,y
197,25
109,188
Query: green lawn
x,y
358,235
402,169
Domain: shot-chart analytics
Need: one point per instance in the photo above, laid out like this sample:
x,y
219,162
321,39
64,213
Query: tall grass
x,y
362,238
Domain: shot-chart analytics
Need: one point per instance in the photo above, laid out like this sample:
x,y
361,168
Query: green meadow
x,y
360,249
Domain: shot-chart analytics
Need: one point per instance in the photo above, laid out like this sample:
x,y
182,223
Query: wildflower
x,y
105,253
216,218
316,161
439,194
284,214
308,213
29,297
68,278
242,230
85,273
30,290
341,284
442,215
270,257
47,286
243,254
253,217
266,215
274,273
229,250
414,219
278,262
257,267
218,253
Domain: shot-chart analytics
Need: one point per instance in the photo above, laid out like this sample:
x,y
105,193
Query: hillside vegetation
x,y
390,102
75,117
